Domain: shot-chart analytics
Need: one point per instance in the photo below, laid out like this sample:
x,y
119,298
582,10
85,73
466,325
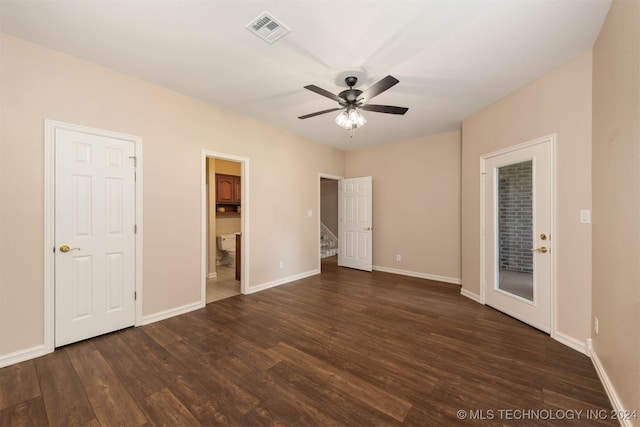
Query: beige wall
x,y
37,84
560,103
416,203
616,200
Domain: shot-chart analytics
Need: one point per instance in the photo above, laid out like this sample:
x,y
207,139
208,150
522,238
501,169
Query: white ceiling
x,y
452,57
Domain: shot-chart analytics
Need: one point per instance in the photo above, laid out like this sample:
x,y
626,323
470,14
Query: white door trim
x,y
319,209
50,127
244,220
551,139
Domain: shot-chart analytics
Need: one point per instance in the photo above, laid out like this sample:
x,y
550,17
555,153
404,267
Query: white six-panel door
x,y
355,223
94,235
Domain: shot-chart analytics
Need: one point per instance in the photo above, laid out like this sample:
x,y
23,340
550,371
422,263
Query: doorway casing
x,y
244,219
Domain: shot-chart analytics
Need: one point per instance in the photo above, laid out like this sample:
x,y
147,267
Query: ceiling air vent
x,y
267,27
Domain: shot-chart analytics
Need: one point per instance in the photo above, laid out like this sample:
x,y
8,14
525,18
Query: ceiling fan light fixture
x,y
356,118
343,120
350,119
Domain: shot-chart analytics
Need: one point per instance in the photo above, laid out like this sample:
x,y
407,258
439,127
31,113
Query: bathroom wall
x,y
218,225
226,225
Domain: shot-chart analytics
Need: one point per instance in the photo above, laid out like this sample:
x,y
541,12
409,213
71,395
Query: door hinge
x,y
135,161
135,228
54,249
135,295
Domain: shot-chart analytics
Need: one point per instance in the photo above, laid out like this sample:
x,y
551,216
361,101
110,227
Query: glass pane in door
x,y
515,229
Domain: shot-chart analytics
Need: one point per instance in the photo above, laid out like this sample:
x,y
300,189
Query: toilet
x,y
227,245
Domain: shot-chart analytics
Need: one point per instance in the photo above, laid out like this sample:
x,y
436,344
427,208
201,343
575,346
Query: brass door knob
x,y
65,248
541,249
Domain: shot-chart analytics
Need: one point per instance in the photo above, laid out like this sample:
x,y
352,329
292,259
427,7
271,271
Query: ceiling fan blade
x,y
320,91
379,87
319,112
390,109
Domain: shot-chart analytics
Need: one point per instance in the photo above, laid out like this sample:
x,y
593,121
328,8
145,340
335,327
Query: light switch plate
x,y
585,216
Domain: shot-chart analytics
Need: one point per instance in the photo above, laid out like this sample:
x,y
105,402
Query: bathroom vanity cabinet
x,y
228,194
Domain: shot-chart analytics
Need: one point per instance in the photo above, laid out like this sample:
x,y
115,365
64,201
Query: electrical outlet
x,y
398,258
281,264
596,325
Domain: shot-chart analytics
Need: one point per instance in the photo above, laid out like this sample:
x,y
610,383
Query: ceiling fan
x,y
352,100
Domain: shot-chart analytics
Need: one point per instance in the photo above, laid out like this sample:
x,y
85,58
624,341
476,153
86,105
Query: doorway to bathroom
x,y
225,265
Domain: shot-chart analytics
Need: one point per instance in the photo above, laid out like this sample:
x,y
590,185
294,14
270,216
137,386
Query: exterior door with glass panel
x,y
517,223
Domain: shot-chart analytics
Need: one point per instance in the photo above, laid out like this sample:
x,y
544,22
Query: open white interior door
x,y
355,223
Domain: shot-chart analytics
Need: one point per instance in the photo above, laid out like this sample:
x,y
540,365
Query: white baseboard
x,y
22,355
170,313
419,275
574,343
212,275
608,387
282,281
471,295
37,351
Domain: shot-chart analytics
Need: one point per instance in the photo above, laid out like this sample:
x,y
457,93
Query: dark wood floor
x,y
342,348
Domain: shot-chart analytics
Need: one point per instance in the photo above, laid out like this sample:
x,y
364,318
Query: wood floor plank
x,y
163,335
199,370
163,409
110,400
206,407
364,391
64,397
138,377
18,383
280,404
25,414
337,403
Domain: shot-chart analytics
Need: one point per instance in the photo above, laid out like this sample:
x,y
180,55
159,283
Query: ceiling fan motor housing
x,y
350,95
